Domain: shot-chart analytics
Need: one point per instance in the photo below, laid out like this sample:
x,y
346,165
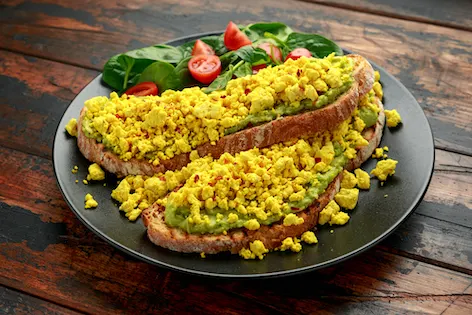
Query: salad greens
x,y
167,66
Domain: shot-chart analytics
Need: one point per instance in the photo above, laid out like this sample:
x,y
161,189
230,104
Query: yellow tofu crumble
x,y
95,173
90,202
384,169
393,118
159,127
347,198
71,127
363,179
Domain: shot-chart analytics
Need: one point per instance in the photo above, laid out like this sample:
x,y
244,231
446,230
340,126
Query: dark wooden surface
x,y
51,264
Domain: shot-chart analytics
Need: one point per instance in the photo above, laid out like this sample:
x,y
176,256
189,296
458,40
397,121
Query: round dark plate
x,y
379,211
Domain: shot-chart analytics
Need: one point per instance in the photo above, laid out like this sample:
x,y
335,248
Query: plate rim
x,y
275,274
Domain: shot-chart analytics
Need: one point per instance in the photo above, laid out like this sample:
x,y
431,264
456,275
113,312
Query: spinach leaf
x,y
318,45
182,71
222,80
120,67
124,70
244,70
256,31
163,53
163,74
255,56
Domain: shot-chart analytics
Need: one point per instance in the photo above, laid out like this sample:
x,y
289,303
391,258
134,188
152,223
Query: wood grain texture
x,y
454,14
52,254
34,93
14,302
110,282
433,62
47,256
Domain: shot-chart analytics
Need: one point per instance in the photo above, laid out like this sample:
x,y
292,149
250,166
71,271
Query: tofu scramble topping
x,y
160,127
248,189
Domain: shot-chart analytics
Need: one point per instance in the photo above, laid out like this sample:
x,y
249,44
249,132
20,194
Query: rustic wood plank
x,y
433,62
449,196
423,235
385,284
455,14
52,254
382,282
34,93
14,302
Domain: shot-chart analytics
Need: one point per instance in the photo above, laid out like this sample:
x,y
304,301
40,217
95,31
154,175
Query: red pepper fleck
x,y
317,160
299,71
296,209
218,177
162,178
246,91
117,116
196,178
223,96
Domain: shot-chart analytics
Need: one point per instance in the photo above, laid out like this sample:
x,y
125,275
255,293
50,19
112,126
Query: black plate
x,y
379,211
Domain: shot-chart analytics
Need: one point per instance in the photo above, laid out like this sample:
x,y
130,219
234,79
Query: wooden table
x,y
51,263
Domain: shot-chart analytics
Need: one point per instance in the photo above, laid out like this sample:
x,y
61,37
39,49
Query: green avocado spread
x,y
178,216
287,110
368,116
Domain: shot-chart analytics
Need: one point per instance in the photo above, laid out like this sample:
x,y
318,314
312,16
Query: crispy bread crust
x,y
276,131
272,236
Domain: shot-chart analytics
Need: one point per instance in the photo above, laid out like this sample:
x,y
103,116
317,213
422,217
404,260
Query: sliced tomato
x,y
297,53
200,48
205,68
234,38
273,51
143,89
255,69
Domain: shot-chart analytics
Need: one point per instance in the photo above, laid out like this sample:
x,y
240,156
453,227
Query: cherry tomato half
x,y
234,38
297,53
255,69
143,89
200,48
273,51
205,68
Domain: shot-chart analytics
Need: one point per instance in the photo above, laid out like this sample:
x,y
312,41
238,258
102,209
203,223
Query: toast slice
x,y
271,235
276,131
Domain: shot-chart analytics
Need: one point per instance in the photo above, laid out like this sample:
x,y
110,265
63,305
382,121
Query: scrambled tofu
x,y
156,128
363,179
90,202
393,118
75,169
71,127
329,211
292,219
331,214
347,198
95,173
384,169
379,153
309,237
256,249
349,180
292,244
248,189
339,218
